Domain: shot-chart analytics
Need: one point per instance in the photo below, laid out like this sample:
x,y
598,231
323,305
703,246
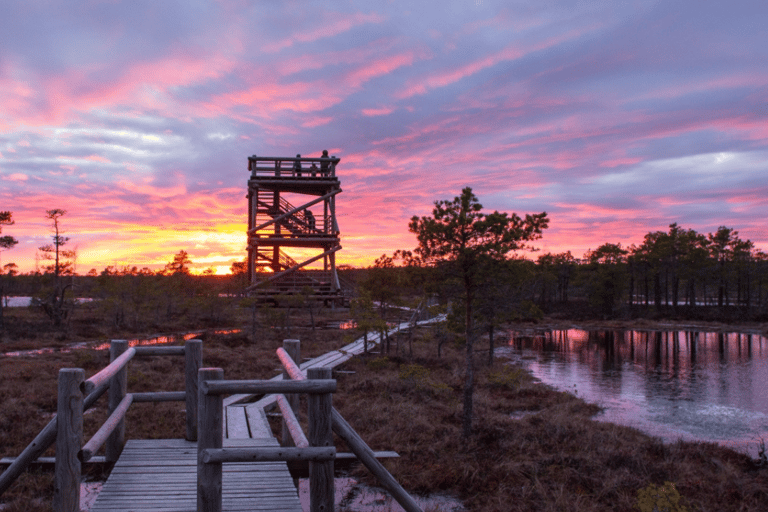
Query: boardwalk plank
x,y
258,422
161,475
237,424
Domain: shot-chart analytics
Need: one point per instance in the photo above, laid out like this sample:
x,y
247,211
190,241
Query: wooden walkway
x,y
161,475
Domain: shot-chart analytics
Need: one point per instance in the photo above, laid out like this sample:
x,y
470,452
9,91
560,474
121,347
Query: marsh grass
x,y
553,458
556,458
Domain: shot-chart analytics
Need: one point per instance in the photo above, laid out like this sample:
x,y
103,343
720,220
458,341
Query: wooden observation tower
x,y
292,208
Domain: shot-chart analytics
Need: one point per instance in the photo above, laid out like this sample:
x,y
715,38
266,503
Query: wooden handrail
x,y
111,423
289,365
158,350
94,388
265,387
292,424
118,389
314,159
211,453
42,442
159,396
268,454
108,371
363,452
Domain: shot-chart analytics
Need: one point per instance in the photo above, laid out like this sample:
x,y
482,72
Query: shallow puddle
x,y
88,493
351,496
160,339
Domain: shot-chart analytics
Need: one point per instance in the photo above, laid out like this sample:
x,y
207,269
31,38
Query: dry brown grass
x,y
554,458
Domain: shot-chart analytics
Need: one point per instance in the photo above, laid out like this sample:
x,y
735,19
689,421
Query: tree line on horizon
x,y
670,270
128,297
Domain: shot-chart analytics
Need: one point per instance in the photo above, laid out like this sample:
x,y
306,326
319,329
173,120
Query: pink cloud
x,y
616,162
17,176
151,190
141,85
379,67
373,112
97,158
268,95
317,121
453,75
336,25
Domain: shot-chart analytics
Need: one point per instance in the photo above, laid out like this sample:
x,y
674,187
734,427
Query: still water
x,y
705,386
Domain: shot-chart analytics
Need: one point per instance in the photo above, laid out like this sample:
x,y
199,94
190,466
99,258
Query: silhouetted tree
x,y
608,277
54,302
459,234
6,242
180,264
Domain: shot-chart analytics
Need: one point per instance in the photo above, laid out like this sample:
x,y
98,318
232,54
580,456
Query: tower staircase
x,y
276,226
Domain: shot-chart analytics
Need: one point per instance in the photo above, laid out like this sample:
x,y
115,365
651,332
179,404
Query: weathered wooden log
x,y
118,387
357,445
265,387
209,436
368,458
193,360
290,401
160,396
42,442
290,365
108,372
159,350
269,454
69,438
100,437
321,489
291,427
342,464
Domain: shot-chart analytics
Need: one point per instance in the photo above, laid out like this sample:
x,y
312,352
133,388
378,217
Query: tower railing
x,y
282,167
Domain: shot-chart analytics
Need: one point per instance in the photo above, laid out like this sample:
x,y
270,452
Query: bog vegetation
x,y
462,423
532,448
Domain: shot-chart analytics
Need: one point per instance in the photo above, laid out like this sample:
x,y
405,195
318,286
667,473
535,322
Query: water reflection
x,y
23,302
160,339
675,384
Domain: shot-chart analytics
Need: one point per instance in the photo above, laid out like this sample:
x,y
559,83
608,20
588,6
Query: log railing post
x,y
209,435
193,360
118,387
293,348
321,491
69,439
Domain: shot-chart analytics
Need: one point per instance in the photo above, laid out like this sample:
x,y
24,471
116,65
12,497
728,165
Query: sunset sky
x,y
615,117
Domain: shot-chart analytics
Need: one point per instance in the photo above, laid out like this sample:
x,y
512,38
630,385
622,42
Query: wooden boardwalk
x,y
161,475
